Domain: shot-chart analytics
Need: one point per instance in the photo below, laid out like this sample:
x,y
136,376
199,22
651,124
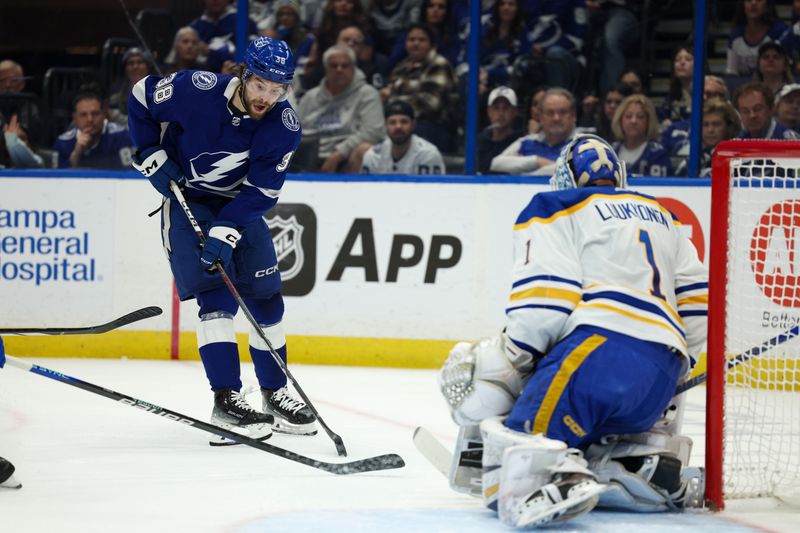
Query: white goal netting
x,y
762,394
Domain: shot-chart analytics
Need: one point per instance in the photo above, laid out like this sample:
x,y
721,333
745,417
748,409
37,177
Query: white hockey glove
x,y
478,380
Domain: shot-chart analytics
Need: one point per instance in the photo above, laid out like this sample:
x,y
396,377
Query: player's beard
x,y
251,108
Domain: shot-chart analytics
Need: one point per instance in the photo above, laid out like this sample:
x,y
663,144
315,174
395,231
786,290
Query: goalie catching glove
x,y
222,239
483,378
155,165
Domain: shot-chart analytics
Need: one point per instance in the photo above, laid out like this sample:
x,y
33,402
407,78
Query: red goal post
x,y
753,406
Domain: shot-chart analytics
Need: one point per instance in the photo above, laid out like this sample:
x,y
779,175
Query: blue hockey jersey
x,y
221,151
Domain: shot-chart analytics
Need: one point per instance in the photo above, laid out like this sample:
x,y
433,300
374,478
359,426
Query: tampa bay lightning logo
x,y
204,80
219,171
290,119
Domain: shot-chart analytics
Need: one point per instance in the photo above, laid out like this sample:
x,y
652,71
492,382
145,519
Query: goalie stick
x,y
742,357
337,440
135,316
370,464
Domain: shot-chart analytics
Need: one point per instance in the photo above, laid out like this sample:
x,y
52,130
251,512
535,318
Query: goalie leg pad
x,y
466,467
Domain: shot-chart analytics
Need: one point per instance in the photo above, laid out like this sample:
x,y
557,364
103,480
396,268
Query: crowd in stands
x,y
386,80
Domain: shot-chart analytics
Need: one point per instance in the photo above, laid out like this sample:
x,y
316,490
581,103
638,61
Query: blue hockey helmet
x,y
584,161
269,58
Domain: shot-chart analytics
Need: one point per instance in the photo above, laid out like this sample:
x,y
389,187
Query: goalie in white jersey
x,y
608,304
403,152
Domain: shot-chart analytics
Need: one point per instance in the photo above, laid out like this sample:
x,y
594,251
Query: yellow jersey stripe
x,y
560,380
580,205
546,292
700,299
491,491
636,317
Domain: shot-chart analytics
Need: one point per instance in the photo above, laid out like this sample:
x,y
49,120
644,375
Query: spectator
x,y
773,66
16,150
504,38
439,17
373,66
537,153
720,122
344,110
557,30
599,120
754,102
185,53
402,152
618,24
502,110
787,107
336,15
426,80
636,128
535,110
218,23
94,142
635,79
388,19
288,26
755,23
12,77
791,41
678,104
137,64
674,135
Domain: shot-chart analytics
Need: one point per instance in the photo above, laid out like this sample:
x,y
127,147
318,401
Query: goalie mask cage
x,y
753,402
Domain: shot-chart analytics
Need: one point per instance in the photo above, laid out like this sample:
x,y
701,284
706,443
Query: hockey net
x,y
753,392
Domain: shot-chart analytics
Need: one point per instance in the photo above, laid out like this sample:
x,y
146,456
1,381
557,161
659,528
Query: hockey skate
x,y
292,416
232,412
7,479
560,500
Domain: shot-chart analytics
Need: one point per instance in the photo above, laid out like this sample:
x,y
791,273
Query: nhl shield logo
x,y
287,237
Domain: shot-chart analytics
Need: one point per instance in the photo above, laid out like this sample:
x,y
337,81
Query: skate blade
x,y
259,432
287,428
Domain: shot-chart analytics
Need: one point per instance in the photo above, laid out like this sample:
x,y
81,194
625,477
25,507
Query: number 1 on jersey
x,y
644,238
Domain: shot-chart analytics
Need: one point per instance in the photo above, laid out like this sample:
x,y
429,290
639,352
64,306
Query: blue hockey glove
x,y
156,166
222,239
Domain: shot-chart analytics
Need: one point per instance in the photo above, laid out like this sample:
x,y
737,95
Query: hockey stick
x,y
141,314
370,464
742,357
337,440
432,450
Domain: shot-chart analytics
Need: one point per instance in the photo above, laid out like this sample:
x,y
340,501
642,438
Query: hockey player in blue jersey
x,y
607,306
7,479
228,143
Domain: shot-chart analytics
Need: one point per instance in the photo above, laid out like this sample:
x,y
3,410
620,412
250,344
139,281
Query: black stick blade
x,y
135,316
388,461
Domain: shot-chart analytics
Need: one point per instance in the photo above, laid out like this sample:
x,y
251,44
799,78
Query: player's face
x,y
558,118
88,117
399,128
713,129
260,95
418,45
754,112
501,113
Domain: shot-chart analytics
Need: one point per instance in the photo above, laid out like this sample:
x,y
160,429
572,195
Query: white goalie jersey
x,y
422,157
609,258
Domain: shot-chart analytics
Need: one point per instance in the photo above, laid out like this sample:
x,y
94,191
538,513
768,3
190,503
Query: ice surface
x,y
91,466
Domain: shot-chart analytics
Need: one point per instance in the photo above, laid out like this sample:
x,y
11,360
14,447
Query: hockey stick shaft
x,y
337,440
370,464
135,316
743,357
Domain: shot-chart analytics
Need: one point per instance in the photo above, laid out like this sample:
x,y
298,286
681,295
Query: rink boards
x,y
383,271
